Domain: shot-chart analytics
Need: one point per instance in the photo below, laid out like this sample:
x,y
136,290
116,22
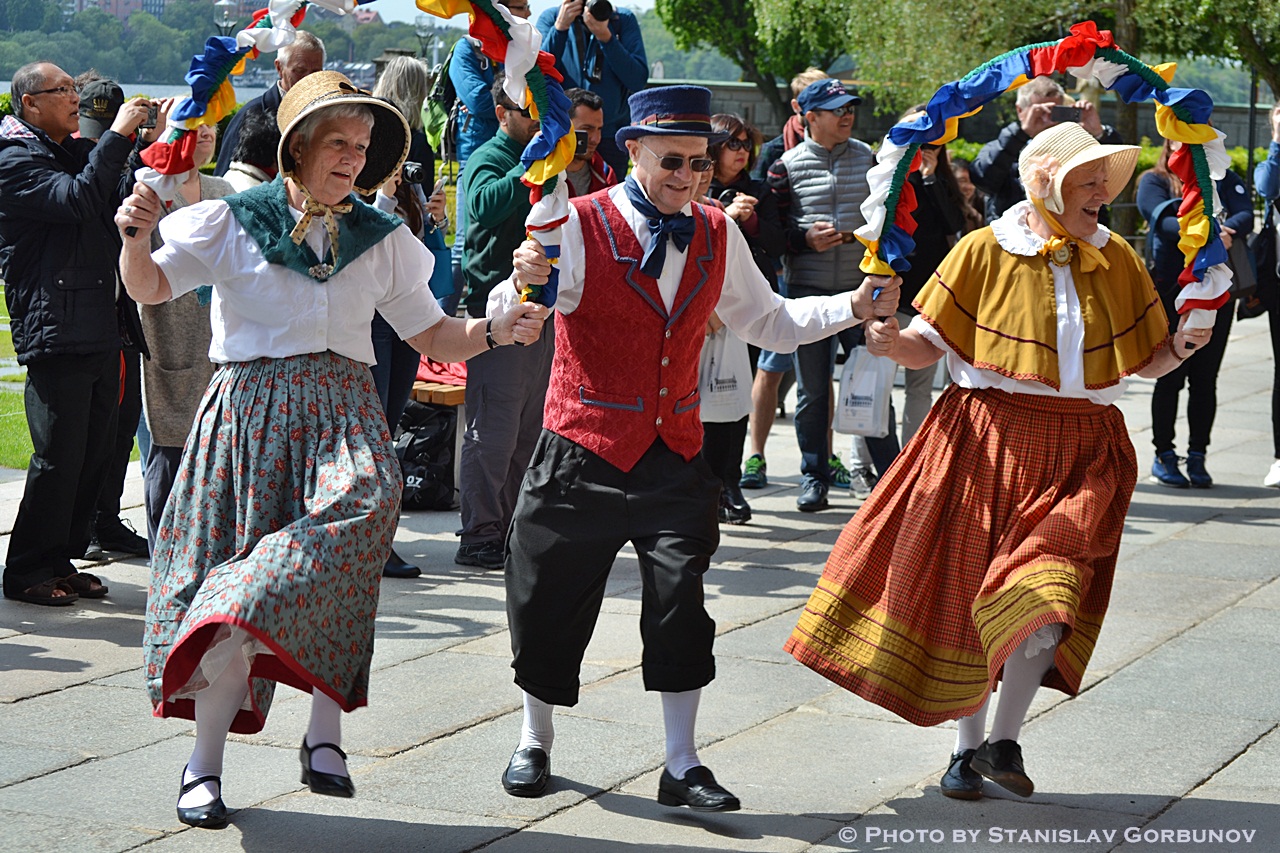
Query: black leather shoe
x,y
115,534
1001,762
327,784
698,790
813,495
486,555
527,773
399,567
960,782
727,513
208,816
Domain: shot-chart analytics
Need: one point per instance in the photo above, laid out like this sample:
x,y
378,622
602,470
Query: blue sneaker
x,y
1196,472
1164,470
839,473
754,473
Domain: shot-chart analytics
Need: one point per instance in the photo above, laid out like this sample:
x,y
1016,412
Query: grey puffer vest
x,y
827,186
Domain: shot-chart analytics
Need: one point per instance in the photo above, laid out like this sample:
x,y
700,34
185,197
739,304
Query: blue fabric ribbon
x,y
679,227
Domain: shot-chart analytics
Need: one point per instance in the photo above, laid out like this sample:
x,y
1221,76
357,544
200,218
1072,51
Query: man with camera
x,y
587,172
505,386
1039,105
599,47
58,253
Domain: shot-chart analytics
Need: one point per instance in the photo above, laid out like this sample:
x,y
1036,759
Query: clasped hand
x,y
521,325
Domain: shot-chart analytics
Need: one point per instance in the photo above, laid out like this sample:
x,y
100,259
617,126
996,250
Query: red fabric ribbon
x,y
172,158
1071,52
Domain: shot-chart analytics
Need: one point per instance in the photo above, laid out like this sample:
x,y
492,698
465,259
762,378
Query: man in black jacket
x,y
58,254
303,56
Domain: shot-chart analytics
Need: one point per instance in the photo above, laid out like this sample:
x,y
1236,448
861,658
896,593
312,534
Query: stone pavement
x,y
1175,731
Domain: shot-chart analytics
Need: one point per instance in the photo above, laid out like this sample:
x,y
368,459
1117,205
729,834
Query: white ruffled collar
x,y
1016,237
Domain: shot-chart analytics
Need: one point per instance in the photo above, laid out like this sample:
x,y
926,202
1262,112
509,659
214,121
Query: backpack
x,y
425,450
442,111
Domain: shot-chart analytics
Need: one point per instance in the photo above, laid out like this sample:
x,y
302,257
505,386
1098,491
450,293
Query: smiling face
x,y
828,129
330,162
668,190
1084,192
206,141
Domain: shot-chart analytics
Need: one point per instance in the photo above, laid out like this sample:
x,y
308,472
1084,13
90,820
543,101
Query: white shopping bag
x,y
724,378
865,385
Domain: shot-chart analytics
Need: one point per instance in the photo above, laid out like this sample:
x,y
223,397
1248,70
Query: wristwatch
x,y
488,335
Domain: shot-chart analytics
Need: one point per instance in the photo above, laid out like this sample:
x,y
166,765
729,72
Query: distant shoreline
x,y
163,90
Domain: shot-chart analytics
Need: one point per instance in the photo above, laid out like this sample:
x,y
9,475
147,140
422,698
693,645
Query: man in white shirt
x,y
619,456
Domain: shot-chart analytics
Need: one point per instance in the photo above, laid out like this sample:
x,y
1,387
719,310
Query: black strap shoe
x,y
960,782
1001,762
211,815
326,784
399,567
698,790
527,773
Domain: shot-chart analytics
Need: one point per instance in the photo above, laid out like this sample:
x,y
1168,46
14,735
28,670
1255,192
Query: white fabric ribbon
x,y
879,178
165,186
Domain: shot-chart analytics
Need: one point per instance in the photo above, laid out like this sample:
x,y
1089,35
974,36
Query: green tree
x,y
155,49
97,26
764,54
20,15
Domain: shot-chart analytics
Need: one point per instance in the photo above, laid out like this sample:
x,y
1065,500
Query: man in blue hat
x,y
641,270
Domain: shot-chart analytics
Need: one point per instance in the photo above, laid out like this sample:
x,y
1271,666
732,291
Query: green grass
x,y
15,441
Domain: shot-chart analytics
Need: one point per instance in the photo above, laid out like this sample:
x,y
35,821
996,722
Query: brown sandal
x,y
86,585
43,593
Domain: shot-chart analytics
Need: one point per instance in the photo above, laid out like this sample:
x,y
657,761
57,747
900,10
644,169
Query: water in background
x,y
156,90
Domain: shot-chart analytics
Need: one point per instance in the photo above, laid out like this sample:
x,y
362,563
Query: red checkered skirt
x,y
1002,516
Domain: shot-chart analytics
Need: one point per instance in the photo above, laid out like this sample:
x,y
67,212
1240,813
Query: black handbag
x,y
1266,292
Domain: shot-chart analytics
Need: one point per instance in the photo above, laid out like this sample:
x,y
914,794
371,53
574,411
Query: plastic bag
x,y
724,378
865,385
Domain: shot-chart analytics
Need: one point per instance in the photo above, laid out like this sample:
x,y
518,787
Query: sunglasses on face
x,y
840,112
735,144
672,163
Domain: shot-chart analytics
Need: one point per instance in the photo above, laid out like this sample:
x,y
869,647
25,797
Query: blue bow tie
x,y
679,227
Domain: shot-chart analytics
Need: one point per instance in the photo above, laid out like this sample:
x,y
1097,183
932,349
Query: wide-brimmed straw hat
x,y
1054,152
388,142
670,111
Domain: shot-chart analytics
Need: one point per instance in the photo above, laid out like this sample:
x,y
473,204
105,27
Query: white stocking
x,y
680,716
325,727
972,730
216,708
1023,672
538,729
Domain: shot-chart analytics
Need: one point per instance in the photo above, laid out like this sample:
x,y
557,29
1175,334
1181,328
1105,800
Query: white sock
x,y
325,727
972,730
1022,677
538,729
680,716
216,708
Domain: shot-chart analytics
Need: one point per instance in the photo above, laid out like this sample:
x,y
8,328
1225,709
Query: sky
x,y
405,10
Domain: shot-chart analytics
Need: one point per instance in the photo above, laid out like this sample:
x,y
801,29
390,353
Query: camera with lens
x,y
582,141
414,173
727,196
601,10
153,116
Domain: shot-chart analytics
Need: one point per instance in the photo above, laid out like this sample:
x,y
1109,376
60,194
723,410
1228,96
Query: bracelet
x,y
488,335
1173,348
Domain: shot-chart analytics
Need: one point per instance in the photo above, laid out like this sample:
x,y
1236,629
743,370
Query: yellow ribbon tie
x,y
311,208
1060,246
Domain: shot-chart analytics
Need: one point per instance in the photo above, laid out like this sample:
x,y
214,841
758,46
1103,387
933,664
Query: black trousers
x,y
122,442
1200,374
1273,317
71,403
722,448
574,513
158,478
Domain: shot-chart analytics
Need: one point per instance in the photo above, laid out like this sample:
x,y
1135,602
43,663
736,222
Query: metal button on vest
x,y
662,393
668,333
658,422
665,361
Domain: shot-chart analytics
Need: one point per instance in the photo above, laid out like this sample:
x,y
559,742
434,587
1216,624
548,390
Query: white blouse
x,y
265,310
748,305
1016,237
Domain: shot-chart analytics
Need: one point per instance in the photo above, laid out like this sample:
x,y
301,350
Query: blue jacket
x,y
268,102
621,63
1266,175
472,75
1153,192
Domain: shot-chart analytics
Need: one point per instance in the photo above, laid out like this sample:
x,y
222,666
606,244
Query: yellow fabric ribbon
x,y
310,209
1058,248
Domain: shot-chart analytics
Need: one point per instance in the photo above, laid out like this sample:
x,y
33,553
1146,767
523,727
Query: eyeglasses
x,y
672,163
56,90
524,112
736,144
840,112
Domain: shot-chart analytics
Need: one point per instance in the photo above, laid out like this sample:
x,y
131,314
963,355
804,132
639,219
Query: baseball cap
x,y
825,94
100,100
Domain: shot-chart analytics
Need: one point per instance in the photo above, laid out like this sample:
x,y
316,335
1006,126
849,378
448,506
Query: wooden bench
x,y
441,394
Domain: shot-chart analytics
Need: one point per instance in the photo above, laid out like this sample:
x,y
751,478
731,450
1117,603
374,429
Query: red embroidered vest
x,y
625,372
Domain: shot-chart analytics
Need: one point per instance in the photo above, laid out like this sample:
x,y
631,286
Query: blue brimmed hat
x,y
825,94
670,111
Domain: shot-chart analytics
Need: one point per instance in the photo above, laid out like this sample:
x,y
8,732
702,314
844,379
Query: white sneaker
x,y
1273,476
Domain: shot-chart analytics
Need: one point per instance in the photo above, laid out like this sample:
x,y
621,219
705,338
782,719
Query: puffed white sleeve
x,y
203,244
407,302
504,295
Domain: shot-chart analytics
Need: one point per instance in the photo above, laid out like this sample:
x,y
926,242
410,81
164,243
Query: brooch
x,y
321,272
1061,256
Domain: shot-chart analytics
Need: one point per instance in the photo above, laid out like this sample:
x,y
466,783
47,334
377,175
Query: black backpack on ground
x,y
425,450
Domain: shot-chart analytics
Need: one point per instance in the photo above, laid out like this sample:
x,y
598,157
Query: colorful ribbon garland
x,y
1181,115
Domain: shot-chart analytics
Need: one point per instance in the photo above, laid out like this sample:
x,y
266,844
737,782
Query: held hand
x,y
928,161
570,11
822,236
1186,341
714,324
530,264
436,204
163,107
521,325
1275,124
882,336
140,212
1089,118
741,208
599,29
1037,119
389,187
867,305
130,115
1226,235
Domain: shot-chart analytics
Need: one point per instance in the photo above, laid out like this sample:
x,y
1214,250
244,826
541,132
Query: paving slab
x,y
1197,558
38,833
103,720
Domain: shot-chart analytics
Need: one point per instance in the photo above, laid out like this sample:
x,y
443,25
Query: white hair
x,y
1040,87
307,127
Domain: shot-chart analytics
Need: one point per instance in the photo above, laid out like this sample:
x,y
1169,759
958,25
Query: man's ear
x,y
795,107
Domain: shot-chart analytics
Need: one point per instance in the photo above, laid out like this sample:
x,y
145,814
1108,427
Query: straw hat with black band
x,y
388,141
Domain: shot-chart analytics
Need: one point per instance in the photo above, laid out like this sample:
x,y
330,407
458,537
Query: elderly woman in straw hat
x,y
987,553
271,546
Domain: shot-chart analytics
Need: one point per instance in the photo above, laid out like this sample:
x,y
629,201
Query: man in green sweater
x,y
505,386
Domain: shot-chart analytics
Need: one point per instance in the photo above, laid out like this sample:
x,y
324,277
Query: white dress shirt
x,y
265,310
748,305
1016,237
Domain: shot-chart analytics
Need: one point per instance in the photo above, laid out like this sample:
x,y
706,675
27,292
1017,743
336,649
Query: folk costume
x,y
272,544
619,457
994,536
